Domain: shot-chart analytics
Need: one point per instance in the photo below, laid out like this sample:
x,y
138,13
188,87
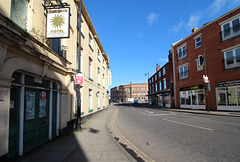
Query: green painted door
x,y
36,119
14,122
54,114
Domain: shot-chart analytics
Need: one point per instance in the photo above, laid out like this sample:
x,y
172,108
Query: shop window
x,y
182,97
194,97
201,98
232,96
221,98
188,97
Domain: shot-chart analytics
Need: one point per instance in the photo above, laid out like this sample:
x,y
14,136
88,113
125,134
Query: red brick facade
x,y
130,92
220,43
161,85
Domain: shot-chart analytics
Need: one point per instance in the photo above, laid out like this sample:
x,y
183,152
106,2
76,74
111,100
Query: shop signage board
x,y
228,83
58,25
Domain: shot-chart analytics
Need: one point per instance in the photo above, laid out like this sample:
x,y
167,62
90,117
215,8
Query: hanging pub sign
x,y
58,23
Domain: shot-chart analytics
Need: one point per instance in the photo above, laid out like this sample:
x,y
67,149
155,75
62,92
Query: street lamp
x,y
78,86
148,86
202,61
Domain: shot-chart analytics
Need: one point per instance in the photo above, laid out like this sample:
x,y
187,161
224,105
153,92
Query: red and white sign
x,y
79,78
205,79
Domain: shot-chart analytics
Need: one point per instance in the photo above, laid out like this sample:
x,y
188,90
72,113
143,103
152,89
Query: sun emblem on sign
x,y
58,21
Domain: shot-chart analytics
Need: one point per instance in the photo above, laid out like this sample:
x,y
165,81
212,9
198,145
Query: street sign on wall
x,y
79,78
58,23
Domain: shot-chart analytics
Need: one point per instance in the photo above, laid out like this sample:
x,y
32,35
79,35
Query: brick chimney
x,y
194,29
158,67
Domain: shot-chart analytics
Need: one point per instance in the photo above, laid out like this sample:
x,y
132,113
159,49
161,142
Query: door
x,y
54,114
14,122
36,119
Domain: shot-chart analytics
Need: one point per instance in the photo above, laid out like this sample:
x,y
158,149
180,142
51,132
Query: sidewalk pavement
x,y
93,143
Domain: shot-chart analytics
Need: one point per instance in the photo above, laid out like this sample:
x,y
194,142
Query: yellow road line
x,y
134,148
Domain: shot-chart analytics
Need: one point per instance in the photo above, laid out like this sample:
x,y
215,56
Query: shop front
x,y
34,106
228,95
164,100
192,97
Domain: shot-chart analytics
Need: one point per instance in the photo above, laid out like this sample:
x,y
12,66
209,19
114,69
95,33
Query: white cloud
x,y
193,21
178,27
216,6
152,17
163,59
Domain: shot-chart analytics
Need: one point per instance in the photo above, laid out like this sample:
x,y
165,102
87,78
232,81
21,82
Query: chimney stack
x,y
194,29
158,67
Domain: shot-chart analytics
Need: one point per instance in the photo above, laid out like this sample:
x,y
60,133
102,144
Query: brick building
x,y
161,85
114,93
130,92
219,42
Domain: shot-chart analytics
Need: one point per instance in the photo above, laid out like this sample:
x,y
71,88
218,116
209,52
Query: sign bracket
x,y
50,5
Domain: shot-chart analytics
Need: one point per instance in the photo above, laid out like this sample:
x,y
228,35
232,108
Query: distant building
x,y
161,85
130,92
219,42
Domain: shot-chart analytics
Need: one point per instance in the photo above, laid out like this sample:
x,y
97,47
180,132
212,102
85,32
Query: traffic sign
x,y
79,78
205,78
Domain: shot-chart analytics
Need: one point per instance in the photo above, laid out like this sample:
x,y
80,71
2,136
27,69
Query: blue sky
x,y
138,34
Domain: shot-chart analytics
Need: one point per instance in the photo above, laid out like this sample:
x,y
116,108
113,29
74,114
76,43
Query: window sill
x,y
198,47
91,47
90,79
183,78
232,68
181,58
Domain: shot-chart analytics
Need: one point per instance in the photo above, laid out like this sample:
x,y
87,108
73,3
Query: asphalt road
x,y
176,136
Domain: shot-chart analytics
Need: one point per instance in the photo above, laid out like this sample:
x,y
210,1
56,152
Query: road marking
x,y
128,143
149,112
155,114
190,125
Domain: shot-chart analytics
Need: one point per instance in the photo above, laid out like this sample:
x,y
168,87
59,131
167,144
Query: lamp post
x,y
78,86
202,60
148,85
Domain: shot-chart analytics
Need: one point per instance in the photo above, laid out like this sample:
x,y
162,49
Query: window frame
x,y
235,63
183,76
230,28
182,51
197,42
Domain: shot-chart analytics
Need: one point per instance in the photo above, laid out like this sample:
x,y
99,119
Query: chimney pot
x,y
194,29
